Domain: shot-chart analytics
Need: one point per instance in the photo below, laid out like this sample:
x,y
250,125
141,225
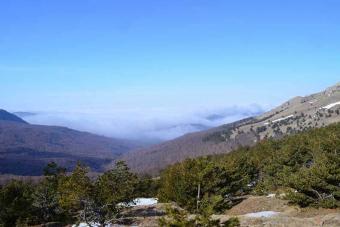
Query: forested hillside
x,y
305,167
26,148
296,115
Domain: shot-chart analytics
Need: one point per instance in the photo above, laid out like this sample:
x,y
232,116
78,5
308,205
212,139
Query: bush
x,y
232,222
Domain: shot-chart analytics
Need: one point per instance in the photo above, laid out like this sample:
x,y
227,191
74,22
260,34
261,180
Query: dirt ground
x,y
287,216
258,204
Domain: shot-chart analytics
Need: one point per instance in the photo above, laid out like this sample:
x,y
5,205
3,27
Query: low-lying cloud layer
x,y
152,125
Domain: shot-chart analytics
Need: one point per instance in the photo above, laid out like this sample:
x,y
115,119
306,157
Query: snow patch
x,y
280,119
86,225
136,202
270,195
262,214
329,106
145,202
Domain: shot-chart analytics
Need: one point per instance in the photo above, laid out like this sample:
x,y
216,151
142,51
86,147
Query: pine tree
x,y
16,204
112,192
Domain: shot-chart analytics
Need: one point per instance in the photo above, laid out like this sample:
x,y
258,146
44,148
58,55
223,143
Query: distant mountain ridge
x,y
24,114
295,115
6,116
25,149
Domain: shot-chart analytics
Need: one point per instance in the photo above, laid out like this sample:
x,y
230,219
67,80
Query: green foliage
x,y
45,200
204,220
67,199
16,204
74,189
117,185
53,170
305,164
46,195
232,222
147,187
220,181
179,183
176,218
113,191
180,218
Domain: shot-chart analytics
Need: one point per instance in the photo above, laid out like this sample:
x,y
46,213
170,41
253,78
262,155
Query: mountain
x,y
24,114
295,115
6,116
25,149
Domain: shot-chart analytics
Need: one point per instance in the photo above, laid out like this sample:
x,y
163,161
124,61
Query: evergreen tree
x,y
113,191
16,204
46,196
75,191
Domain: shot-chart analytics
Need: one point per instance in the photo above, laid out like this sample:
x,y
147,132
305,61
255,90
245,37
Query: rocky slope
x,y
25,149
297,114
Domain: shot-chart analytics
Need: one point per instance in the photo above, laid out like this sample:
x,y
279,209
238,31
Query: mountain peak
x,y
6,116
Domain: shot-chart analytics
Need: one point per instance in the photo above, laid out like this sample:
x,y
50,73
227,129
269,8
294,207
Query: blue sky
x,y
98,55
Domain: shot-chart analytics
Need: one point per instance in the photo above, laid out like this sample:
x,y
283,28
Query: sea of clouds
x,y
149,125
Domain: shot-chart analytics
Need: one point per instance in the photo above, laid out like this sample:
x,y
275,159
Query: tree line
x,y
304,168
72,198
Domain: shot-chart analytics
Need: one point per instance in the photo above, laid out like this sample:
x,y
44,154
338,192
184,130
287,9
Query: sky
x,y
140,58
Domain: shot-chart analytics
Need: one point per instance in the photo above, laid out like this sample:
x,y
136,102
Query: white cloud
x,y
150,124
